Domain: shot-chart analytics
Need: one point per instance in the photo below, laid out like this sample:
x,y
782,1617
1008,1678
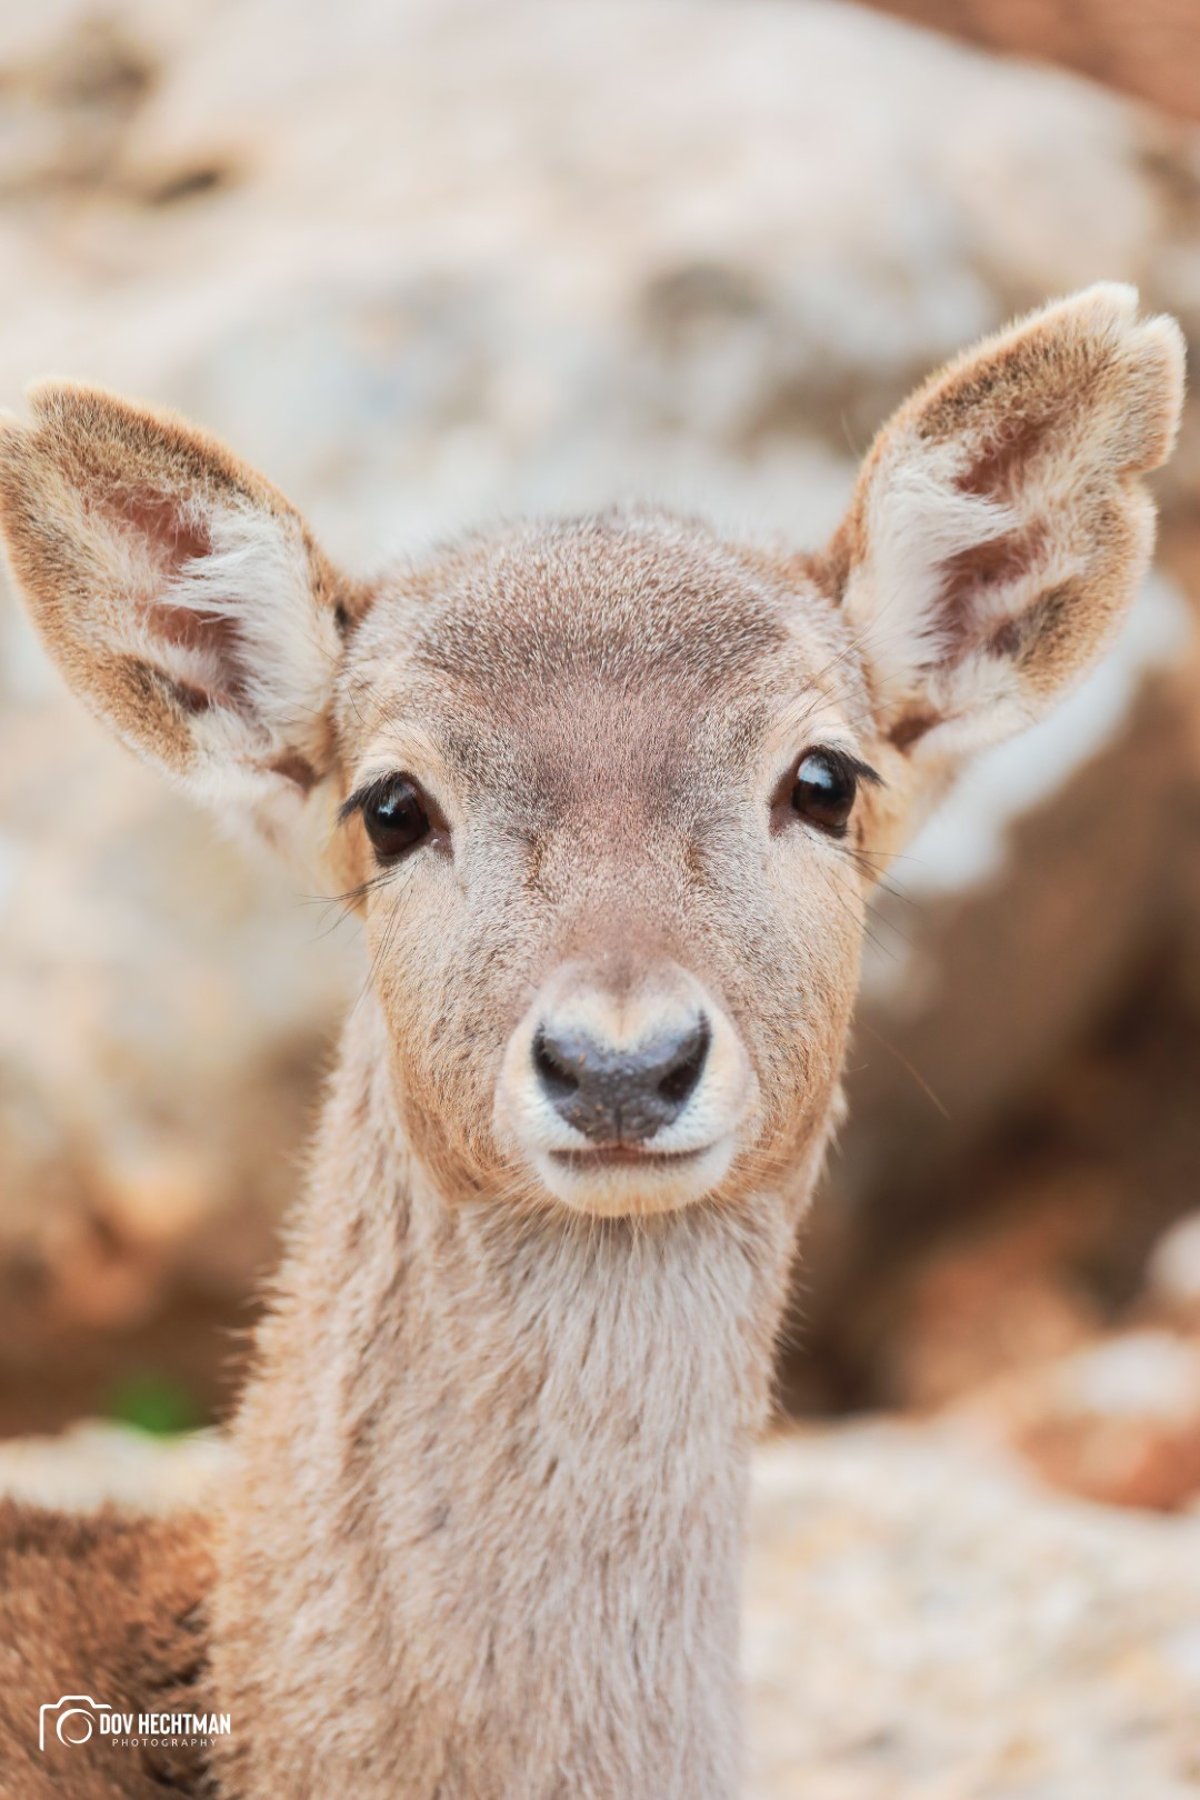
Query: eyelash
x,y
845,763
362,797
849,765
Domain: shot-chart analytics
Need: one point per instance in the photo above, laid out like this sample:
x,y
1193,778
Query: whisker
x,y
926,1089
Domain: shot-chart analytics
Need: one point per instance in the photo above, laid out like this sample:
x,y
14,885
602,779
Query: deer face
x,y
604,817
610,795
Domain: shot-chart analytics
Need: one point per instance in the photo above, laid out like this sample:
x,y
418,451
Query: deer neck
x,y
487,1521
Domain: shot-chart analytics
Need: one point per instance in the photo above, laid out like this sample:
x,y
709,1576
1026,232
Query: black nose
x,y
620,1096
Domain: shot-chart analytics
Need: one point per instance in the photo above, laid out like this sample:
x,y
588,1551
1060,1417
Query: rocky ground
x,y
455,258
922,1622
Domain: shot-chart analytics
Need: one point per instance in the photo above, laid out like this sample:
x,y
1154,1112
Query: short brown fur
x,y
483,1527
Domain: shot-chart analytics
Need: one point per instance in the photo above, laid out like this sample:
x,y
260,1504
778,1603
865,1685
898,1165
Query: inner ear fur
x,y
999,527
180,593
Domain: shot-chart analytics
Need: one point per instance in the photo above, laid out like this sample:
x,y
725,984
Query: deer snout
x,y
621,1096
625,1087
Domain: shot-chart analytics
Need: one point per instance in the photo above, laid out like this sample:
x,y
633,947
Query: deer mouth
x,y
613,1179
619,1156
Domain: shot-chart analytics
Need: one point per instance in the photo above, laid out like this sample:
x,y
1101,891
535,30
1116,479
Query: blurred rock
x,y
995,1300
1020,912
411,264
1158,61
94,1463
921,1624
1117,1422
67,103
438,260
1035,1239
1173,1274
163,1017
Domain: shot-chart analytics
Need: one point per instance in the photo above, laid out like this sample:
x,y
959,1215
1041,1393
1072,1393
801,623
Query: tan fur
x,y
484,1530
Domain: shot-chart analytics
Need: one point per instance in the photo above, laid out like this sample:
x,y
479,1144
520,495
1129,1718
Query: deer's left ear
x,y
999,528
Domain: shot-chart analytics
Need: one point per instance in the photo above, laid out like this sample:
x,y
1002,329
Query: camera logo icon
x,y
72,1720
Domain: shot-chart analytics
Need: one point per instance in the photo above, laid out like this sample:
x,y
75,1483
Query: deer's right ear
x,y
182,597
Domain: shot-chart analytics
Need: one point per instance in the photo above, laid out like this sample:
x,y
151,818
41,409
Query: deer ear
x,y
182,597
999,528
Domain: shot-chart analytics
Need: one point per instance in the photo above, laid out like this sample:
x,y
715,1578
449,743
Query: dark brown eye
x,y
824,789
394,814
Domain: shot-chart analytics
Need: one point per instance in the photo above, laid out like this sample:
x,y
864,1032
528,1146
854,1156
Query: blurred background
x,y
432,261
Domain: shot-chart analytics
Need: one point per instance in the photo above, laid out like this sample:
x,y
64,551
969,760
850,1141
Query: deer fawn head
x,y
610,795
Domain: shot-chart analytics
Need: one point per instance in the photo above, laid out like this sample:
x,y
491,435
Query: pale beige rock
x,y
450,259
94,1463
1173,1273
1117,1421
923,1625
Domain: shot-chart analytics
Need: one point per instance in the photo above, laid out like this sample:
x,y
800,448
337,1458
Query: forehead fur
x,y
635,609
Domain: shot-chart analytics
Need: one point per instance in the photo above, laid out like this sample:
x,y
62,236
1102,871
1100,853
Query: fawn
x,y
609,796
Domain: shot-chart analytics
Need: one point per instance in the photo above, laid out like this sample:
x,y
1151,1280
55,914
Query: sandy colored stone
x,y
1117,1421
92,1463
922,1624
450,260
1173,1273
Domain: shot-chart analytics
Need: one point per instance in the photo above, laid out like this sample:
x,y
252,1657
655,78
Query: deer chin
x,y
624,1180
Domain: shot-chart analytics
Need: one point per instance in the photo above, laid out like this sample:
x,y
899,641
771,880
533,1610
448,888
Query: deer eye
x,y
824,789
395,816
